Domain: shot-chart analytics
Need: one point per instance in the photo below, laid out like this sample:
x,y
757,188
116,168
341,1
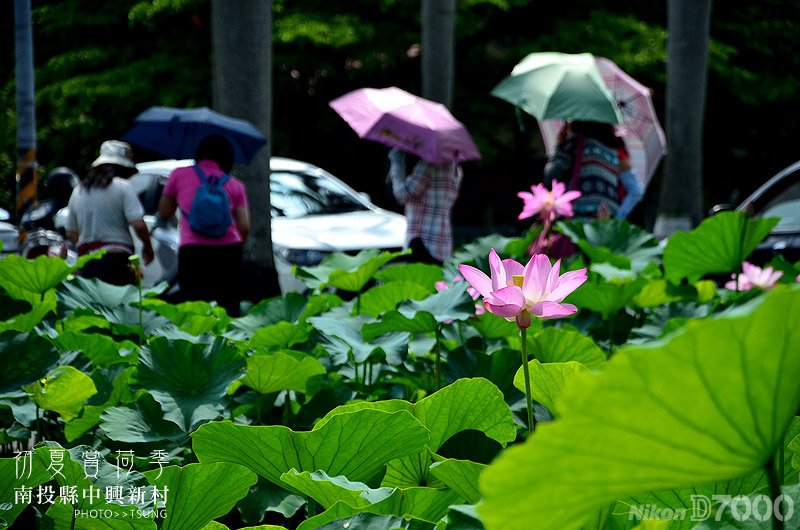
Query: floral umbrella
x,y
640,127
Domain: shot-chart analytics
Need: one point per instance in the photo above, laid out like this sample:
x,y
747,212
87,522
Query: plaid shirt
x,y
428,195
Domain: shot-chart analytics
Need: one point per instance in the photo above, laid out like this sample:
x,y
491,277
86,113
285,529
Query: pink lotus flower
x,y
753,276
479,309
548,204
516,292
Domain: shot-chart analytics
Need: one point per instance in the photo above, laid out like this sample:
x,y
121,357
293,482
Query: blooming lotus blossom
x,y
516,292
548,204
479,308
753,276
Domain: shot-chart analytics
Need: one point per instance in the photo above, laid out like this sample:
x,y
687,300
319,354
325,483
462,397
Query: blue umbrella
x,y
176,132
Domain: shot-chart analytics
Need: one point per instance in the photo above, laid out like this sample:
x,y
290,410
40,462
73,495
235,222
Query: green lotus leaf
x,y
41,306
140,422
327,490
274,372
613,241
267,497
64,390
25,358
477,252
292,307
460,476
82,293
100,349
383,298
194,318
348,273
342,337
449,304
198,493
356,445
213,525
419,274
116,517
604,297
467,404
280,336
499,367
463,517
15,473
552,345
720,244
427,504
660,292
113,388
18,274
548,380
189,380
395,322
11,307
494,327
709,404
757,507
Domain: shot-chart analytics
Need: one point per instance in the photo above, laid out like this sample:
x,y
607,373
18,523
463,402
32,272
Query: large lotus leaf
x,y
348,273
14,474
467,404
11,307
420,274
395,322
605,297
718,245
113,388
189,380
477,252
659,292
427,504
342,516
92,293
139,422
214,525
710,404
460,476
291,307
494,327
41,306
37,276
100,349
552,345
267,497
280,336
383,298
194,318
327,490
617,242
663,320
199,493
499,367
356,445
794,448
343,340
64,390
25,358
280,371
548,380
463,517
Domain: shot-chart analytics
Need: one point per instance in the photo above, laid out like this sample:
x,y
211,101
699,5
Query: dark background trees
x,y
99,63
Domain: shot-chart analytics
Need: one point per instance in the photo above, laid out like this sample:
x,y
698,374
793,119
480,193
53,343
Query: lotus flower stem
x,y
437,364
523,333
774,482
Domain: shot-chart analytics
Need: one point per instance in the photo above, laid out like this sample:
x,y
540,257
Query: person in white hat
x,y
101,210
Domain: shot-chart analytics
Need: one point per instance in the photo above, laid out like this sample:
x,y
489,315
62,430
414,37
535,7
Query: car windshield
x,y
297,194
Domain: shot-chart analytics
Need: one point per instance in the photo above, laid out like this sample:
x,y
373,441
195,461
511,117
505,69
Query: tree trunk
x,y
438,50
242,88
681,199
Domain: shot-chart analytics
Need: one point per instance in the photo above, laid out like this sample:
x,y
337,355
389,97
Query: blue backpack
x,y
210,213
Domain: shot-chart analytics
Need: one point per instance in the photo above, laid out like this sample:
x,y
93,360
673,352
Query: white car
x,y
313,214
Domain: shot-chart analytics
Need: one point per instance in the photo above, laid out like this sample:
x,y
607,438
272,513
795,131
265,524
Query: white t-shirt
x,y
102,215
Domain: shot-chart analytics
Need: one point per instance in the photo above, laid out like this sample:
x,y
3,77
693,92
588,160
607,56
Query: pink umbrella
x,y
396,118
640,128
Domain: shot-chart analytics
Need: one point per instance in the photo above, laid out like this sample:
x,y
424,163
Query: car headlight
x,y
302,257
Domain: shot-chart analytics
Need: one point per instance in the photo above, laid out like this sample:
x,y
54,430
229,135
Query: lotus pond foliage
x,y
622,386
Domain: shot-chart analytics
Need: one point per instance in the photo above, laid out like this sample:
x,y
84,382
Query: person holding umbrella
x,y
215,222
428,195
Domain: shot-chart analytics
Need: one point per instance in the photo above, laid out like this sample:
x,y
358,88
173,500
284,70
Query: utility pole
x,y
27,168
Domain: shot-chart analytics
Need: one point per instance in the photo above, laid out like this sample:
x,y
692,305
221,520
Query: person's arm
x,y
633,191
241,217
167,206
408,188
142,233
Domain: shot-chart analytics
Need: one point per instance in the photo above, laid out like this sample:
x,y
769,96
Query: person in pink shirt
x,y
209,268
